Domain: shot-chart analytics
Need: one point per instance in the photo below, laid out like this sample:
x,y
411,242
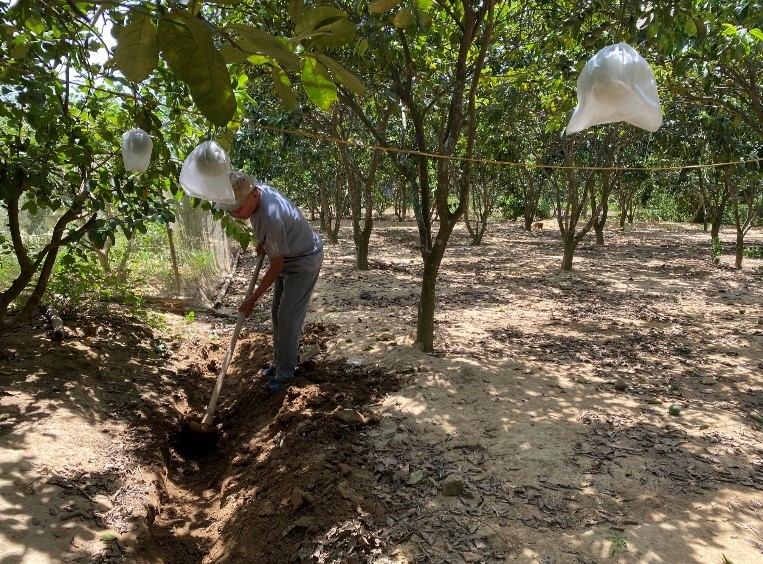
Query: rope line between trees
x,y
357,144
361,145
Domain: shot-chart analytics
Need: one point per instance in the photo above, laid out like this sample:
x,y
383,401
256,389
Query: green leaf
x,y
282,86
254,40
701,27
181,36
326,25
109,536
20,51
35,26
336,34
404,18
361,47
317,84
116,30
728,29
424,19
341,74
214,95
757,33
31,207
97,238
137,51
260,60
415,477
690,27
187,46
232,54
381,6
315,18
663,42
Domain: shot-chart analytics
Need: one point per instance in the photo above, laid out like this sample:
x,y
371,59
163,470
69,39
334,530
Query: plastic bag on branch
x,y
136,150
205,174
617,84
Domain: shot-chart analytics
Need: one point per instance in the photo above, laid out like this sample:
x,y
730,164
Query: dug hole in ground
x,y
538,431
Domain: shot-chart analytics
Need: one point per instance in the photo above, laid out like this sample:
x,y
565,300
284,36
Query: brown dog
x,y
538,225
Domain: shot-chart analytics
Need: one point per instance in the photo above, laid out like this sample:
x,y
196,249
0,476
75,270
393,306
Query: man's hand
x,y
274,270
247,306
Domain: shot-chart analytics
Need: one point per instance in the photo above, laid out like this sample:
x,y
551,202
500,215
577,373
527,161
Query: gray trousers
x,y
291,298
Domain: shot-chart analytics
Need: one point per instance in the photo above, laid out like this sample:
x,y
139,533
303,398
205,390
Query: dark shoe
x,y
268,372
276,384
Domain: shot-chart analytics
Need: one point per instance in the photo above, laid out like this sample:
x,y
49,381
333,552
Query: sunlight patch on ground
x,y
405,405
437,381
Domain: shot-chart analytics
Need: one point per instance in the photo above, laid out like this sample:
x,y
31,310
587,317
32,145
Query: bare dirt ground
x,y
538,431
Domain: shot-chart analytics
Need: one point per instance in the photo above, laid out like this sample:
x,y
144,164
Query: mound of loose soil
x,y
287,467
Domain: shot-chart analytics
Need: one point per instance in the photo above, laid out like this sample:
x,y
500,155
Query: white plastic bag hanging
x,y
617,84
136,150
205,174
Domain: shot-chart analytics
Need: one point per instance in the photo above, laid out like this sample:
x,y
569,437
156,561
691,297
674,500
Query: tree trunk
x,y
750,190
476,228
174,258
571,200
331,219
739,255
569,252
400,197
42,265
715,229
427,300
333,232
622,200
457,123
598,229
631,207
600,214
479,233
324,213
103,255
600,207
425,323
703,197
532,194
122,268
361,252
361,210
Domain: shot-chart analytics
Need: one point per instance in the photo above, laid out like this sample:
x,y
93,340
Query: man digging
x,y
295,253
